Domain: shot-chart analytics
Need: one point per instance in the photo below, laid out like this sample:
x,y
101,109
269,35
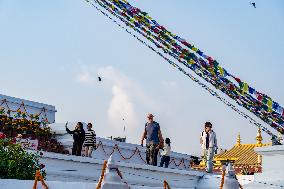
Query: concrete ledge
x,y
28,184
120,164
67,168
270,150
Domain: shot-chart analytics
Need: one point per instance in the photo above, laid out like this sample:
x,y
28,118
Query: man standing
x,y
208,143
154,140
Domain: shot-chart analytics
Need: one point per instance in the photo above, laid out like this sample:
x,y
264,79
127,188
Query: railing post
x,y
230,180
112,180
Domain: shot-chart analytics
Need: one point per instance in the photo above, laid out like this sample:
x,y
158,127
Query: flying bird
x,y
253,4
99,78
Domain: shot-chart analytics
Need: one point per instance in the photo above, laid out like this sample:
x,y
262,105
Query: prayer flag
x,y
269,103
251,90
237,79
264,107
199,52
241,84
258,96
245,87
226,73
205,56
194,49
275,105
264,100
221,70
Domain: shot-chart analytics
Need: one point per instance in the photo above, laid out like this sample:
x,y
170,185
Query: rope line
x,y
166,185
137,151
222,179
38,176
24,112
102,175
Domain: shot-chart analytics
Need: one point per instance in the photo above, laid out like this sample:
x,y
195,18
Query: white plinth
x,y
272,175
272,163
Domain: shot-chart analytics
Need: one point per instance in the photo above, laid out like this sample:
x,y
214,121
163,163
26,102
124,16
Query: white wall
x,y
31,107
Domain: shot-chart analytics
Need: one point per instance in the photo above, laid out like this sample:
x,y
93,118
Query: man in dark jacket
x,y
78,136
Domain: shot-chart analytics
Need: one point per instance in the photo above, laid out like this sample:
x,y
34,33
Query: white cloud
x,y
128,101
113,76
85,76
121,107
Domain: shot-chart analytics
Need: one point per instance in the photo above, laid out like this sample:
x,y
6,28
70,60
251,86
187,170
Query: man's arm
x,y
201,138
143,137
215,140
161,140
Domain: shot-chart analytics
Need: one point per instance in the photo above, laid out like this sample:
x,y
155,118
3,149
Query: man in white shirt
x,y
208,141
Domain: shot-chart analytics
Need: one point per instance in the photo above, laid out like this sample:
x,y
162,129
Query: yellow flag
x,y
221,70
191,61
149,17
135,17
211,70
194,49
168,33
269,103
245,87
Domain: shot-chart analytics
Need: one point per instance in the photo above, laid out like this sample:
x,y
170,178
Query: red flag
x,y
238,79
210,60
258,96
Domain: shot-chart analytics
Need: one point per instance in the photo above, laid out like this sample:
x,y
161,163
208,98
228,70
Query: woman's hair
x,y
90,124
168,141
81,126
208,124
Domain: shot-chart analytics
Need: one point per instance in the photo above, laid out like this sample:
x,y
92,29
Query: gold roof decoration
x,y
242,154
280,138
239,139
259,137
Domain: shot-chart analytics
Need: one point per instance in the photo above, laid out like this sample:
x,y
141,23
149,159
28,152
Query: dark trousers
x,y
77,148
151,154
165,160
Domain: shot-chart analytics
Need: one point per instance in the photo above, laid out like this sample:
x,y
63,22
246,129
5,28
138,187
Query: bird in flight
x,y
99,78
253,4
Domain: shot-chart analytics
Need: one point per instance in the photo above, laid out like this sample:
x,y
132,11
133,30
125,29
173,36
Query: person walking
x,y
166,154
208,141
154,140
78,136
90,140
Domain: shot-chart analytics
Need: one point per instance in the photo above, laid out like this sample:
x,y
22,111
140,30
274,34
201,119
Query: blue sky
x,y
53,51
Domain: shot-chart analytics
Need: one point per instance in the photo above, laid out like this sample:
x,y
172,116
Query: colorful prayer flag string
x,y
209,69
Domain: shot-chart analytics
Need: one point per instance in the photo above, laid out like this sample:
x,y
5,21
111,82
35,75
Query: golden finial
x,y
239,139
259,137
280,138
